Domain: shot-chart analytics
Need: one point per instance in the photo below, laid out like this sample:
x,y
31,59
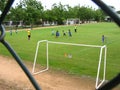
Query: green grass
x,y
84,60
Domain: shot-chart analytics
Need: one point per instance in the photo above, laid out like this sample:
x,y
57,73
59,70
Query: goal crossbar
x,y
74,44
98,84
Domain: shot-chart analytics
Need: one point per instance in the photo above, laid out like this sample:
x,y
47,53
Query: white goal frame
x,y
98,84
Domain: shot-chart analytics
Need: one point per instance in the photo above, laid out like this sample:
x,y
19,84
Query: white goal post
x,y
98,84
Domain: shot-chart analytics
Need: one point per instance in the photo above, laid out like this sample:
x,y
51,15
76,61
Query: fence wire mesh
x,y
111,84
11,50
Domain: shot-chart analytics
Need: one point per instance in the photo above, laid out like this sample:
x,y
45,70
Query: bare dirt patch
x,y
13,78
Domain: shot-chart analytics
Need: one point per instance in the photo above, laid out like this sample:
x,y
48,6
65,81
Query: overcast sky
x,y
49,3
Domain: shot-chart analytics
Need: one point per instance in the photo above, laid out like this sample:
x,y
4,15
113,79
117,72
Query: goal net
x,y
77,57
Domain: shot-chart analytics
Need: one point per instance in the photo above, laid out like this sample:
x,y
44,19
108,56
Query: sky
x,y
48,3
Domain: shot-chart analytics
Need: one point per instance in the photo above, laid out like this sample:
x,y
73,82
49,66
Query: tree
x,y
71,12
99,15
17,13
2,4
58,13
33,10
48,16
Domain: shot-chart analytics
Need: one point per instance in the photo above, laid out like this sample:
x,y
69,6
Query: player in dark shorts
x,y
57,34
29,34
75,28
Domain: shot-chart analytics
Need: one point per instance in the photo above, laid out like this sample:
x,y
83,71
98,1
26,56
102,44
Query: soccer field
x,y
84,60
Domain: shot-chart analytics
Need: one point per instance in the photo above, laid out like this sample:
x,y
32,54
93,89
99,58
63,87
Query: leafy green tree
x,y
70,12
48,16
82,13
66,12
99,15
33,10
58,13
17,13
2,4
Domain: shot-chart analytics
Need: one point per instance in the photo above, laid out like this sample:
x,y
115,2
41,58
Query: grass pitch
x,y
84,60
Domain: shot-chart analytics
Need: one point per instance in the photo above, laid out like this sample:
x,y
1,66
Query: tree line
x,y
31,12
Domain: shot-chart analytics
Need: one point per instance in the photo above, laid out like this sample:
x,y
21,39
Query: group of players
x,y
57,34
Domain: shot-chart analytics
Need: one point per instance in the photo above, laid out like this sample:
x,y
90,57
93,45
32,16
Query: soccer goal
x,y
102,54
